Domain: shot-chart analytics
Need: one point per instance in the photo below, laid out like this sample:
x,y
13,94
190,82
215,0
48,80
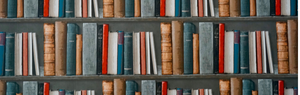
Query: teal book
x,y
12,88
244,52
72,30
69,8
245,8
2,52
188,30
131,87
248,86
186,8
178,7
120,53
129,8
128,53
11,8
236,51
61,8
69,92
9,64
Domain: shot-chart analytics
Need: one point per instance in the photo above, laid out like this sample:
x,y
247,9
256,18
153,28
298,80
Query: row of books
x,y
145,8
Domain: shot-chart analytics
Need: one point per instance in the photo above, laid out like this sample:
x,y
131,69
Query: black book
x,y
272,7
158,88
41,8
157,8
99,49
40,88
275,87
216,48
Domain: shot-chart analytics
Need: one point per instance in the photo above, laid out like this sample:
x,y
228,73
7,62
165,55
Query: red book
x,y
280,87
84,9
25,53
83,92
221,47
46,88
162,8
200,8
143,53
201,91
164,88
258,52
46,8
104,49
277,7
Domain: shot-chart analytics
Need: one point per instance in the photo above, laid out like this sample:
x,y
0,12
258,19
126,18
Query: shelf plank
x,y
149,77
153,19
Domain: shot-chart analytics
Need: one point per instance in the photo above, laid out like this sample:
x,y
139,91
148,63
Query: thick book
x,y
166,48
245,7
236,86
3,8
40,8
60,48
129,8
40,88
172,92
158,88
72,31
153,55
195,53
258,52
112,60
119,86
143,53
177,47
216,48
131,87
147,42
265,87
69,8
244,52
285,7
224,9
263,52
25,53
188,30
30,88
224,87
78,8
54,8
49,53
30,53
20,8
200,8
194,8
262,7
221,47
275,87
185,8
9,54
78,54
85,8
105,49
11,8
99,48
281,88
282,48
147,8
136,53
108,8
248,87
292,26
236,64
107,88
252,52
164,87
137,8
253,7
46,88
46,8
148,87
178,8
2,52
269,53
18,55
229,52
31,8
294,7
170,8
12,88
162,8
120,66
61,8
206,47
119,8
236,6
89,56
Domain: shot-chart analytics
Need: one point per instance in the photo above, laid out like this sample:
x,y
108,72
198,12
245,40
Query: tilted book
x,y
153,55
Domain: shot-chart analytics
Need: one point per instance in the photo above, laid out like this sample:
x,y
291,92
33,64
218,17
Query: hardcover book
x,y
224,87
2,52
252,52
78,8
107,88
46,8
120,66
177,47
18,55
119,8
185,8
221,47
248,87
258,52
263,51
143,53
153,55
148,64
265,87
224,8
239,7
164,87
78,54
148,87
170,8
112,61
137,8
194,8
147,8
188,30
108,8
262,7
229,52
236,86
129,8
200,8
60,48
245,7
166,48
157,8
24,52
9,55
20,8
69,8
61,8
244,52
119,87
85,8
49,53
54,8
89,47
162,8
178,8
136,53
195,53
99,48
286,7
30,88
105,49
3,8
253,7
131,87
236,64
12,88
72,31
11,8
206,47
31,8
293,45
30,57
282,48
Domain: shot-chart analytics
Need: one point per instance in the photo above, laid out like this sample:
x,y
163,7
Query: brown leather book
x,y
107,87
252,7
137,8
254,92
282,48
236,86
195,53
20,8
18,93
201,91
166,49
119,86
137,93
223,8
78,54
3,8
2,87
119,10
224,87
177,48
49,49
60,48
25,53
293,45
108,8
235,9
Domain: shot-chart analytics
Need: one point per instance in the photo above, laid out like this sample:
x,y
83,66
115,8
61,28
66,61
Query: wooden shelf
x,y
151,77
153,19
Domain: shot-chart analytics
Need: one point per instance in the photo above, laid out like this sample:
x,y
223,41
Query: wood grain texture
x,y
107,87
252,7
195,53
3,8
20,8
108,8
177,47
166,48
223,8
224,87
60,48
282,48
79,54
293,45
119,8
49,49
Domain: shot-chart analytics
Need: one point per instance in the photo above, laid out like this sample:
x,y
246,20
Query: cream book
x,y
170,8
53,8
136,53
18,54
153,56
95,3
286,7
194,8
252,52
78,8
269,52
90,14
263,51
229,52
35,54
205,8
112,53
148,64
30,57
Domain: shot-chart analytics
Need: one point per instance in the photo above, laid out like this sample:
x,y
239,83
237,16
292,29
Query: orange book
x,y
143,53
84,9
200,8
25,53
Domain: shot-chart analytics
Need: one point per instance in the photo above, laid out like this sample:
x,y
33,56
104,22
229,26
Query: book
x,y
85,8
120,55
137,93
105,49
84,92
89,47
188,30
147,42
281,89
195,92
185,8
162,8
54,92
159,88
172,92
194,8
143,53
195,53
170,8
206,47
131,87
11,8
178,8
20,8
153,55
252,52
71,92
30,88
77,8
285,7
293,7
136,53
289,91
221,47
236,86
164,87
31,8
72,31
46,8
292,45
108,8
40,88
272,7
129,8
245,8
224,87
157,8
46,88
119,8
49,53
275,87
200,8
78,54
248,87
107,87
2,52
30,62
166,48
253,7
61,8
224,9
3,8
262,7
229,52
258,52
112,61
177,47
95,4
265,87
24,53
263,51
254,93
137,8
89,8
282,48
201,91
60,48
295,90
179,91
211,8
12,88
186,92
69,8
119,86
9,63
18,55
99,48
244,52
237,7
54,8
236,64
77,92
148,87
147,8
205,8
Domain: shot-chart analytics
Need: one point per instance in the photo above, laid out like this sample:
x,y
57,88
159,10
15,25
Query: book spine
x,y
54,8
206,47
40,88
147,8
20,8
236,51
30,88
88,49
11,8
84,92
89,5
272,7
107,88
119,87
262,7
49,49
3,8
248,87
129,8
185,8
224,9
137,8
99,48
221,47
85,8
153,55
195,53
277,7
120,65
244,52
46,88
224,87
105,49
239,6
18,54
253,7
265,87
186,92
119,8
194,8
281,87
72,30
205,8
216,48
252,52
136,53
143,53
12,88
263,52
9,54
162,8
148,87
30,58
79,54
46,8
164,88
275,87
269,52
166,48
147,41
158,88
25,53
60,48
295,90
211,8
128,54
157,8
229,52
40,8
69,11
31,8
292,45
178,8
108,8
188,30
2,52
96,10
131,87
236,85
170,8
293,7
78,8
61,92
113,52
258,52
282,48
245,8
179,91
200,8
177,47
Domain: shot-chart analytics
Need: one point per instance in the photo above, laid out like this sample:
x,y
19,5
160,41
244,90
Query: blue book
x,y
236,51
69,92
61,8
245,8
128,53
69,11
244,52
179,91
129,8
188,30
72,30
12,88
120,52
186,8
131,87
9,54
11,8
248,86
187,92
2,53
293,7
178,8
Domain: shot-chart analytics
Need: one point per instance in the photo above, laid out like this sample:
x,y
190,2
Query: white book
x,y
205,8
194,8
211,7
286,7
88,92
153,56
92,92
95,2
210,92
148,53
206,91
18,54
269,52
170,8
35,54
263,51
90,14
228,51
54,92
53,8
136,53
252,52
77,92
172,92
195,92
112,53
30,58
78,8
288,91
